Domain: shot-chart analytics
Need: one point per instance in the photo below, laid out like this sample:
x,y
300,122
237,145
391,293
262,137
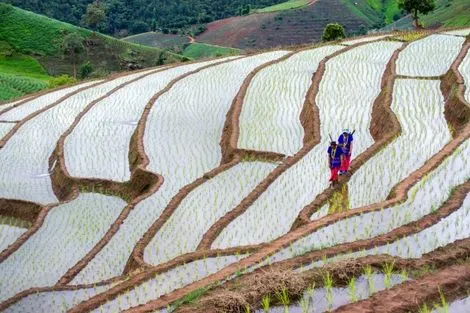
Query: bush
x,y
85,70
333,31
60,81
139,27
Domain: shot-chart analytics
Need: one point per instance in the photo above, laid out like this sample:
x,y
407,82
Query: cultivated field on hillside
x,y
203,186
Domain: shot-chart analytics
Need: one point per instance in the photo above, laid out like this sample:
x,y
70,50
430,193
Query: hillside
x,y
213,186
183,45
291,27
31,52
448,13
137,16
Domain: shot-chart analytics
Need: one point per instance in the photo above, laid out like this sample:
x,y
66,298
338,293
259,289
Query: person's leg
x,y
334,174
347,162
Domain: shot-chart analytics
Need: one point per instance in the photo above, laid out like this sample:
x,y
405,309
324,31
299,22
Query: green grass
x,y
13,86
20,75
201,50
28,32
390,10
291,4
159,40
375,4
449,13
22,65
31,53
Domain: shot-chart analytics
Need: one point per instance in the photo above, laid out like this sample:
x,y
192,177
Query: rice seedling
x,y
439,51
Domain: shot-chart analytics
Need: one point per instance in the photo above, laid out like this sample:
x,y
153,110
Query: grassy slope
x,y
159,40
36,43
201,50
290,4
19,75
448,13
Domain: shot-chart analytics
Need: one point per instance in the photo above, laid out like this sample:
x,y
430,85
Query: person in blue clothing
x,y
335,160
345,141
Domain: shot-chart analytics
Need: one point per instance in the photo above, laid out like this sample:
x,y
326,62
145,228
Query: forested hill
x,y
137,16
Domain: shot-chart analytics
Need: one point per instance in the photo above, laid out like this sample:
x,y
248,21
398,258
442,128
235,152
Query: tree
x,y
415,7
333,31
94,15
85,70
139,27
73,46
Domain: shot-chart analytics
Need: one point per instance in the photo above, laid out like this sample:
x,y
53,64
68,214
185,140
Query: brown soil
x,y
23,210
457,110
266,156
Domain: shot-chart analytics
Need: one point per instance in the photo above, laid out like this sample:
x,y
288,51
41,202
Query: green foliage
x,y
333,31
61,81
200,50
138,27
416,7
73,44
12,86
86,70
190,297
164,14
21,64
449,13
94,15
27,32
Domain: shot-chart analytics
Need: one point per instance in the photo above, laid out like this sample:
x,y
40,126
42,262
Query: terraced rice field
x,y
203,187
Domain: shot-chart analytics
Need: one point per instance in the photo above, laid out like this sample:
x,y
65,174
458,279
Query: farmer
x,y
345,141
335,159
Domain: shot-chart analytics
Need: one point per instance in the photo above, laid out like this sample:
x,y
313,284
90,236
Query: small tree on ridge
x,y
333,31
416,7
73,46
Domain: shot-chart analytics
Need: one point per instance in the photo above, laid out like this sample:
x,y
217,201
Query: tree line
x,y
123,17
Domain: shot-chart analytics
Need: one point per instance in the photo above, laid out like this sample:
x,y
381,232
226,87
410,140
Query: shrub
x,y
333,31
60,81
85,70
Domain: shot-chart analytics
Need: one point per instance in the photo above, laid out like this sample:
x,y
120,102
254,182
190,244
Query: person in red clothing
x,y
335,160
345,141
